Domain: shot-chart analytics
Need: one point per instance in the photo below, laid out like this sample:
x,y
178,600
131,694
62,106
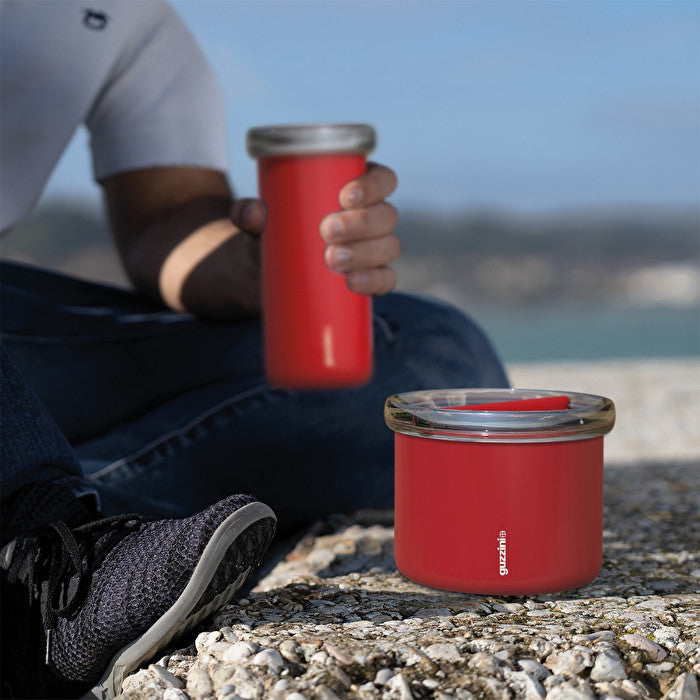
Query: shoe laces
x,y
55,563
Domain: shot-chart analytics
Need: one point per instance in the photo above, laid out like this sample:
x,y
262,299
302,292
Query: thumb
x,y
249,215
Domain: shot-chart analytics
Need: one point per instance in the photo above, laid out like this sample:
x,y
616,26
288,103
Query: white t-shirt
x,y
128,69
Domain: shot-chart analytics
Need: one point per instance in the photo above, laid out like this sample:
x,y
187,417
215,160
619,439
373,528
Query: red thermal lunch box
x,y
499,491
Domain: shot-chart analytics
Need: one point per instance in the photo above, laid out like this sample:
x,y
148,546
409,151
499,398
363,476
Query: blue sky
x,y
522,105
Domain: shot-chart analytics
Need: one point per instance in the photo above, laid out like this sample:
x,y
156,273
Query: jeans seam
x,y
385,328
182,430
112,336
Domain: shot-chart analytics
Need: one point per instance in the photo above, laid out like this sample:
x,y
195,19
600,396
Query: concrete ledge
x,y
332,618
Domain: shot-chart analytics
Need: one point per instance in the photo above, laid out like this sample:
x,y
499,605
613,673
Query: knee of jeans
x,y
443,340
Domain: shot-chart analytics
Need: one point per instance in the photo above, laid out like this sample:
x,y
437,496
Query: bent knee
x,y
444,345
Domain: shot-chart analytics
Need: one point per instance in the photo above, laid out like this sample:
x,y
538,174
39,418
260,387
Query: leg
x,y
98,356
200,422
306,453
85,601
41,478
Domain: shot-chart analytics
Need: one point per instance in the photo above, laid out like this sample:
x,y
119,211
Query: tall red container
x,y
506,502
317,333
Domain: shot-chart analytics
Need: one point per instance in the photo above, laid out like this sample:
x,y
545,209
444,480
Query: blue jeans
x,y
168,412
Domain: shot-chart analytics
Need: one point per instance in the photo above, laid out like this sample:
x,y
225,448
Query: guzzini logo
x,y
502,554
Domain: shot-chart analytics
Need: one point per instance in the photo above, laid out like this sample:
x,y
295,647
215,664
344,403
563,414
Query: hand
x,y
361,239
249,215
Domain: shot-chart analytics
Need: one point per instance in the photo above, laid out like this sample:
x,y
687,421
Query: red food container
x,y
317,333
503,500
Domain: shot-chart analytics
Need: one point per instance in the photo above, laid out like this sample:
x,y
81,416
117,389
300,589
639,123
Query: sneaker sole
x,y
201,597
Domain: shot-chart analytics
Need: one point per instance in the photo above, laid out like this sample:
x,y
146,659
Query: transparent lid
x,y
293,139
445,414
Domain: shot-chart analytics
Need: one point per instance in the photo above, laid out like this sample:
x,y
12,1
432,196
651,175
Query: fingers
x,y
359,224
249,215
374,282
363,255
361,239
378,183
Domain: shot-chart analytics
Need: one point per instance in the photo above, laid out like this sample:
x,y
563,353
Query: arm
x,y
183,240
177,242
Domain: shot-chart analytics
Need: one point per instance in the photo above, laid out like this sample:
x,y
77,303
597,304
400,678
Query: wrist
x,y
214,272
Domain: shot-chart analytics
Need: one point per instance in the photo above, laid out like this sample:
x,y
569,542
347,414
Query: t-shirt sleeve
x,y
160,104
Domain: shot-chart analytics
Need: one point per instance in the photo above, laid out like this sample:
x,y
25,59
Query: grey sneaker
x,y
84,607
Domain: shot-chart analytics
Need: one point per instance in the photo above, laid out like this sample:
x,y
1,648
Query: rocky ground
x,y
330,616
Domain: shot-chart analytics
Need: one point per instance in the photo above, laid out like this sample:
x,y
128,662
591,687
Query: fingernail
x,y
332,229
246,213
341,256
358,280
354,196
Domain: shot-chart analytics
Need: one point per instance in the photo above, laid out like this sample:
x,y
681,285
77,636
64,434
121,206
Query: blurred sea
x,y
565,286
581,332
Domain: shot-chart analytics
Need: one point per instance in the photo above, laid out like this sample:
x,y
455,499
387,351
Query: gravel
x,y
330,616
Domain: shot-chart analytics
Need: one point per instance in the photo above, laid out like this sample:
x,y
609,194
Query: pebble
x,y
270,658
486,664
251,689
608,667
205,639
571,662
384,675
602,636
291,651
239,652
660,668
229,635
685,688
688,648
463,694
323,692
653,651
507,607
165,677
625,690
320,657
199,683
536,669
400,684
568,691
526,685
443,652
218,649
175,694
553,681
495,689
135,681
338,654
667,636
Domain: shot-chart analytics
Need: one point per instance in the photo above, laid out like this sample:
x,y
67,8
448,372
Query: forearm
x,y
210,268
178,244
214,271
